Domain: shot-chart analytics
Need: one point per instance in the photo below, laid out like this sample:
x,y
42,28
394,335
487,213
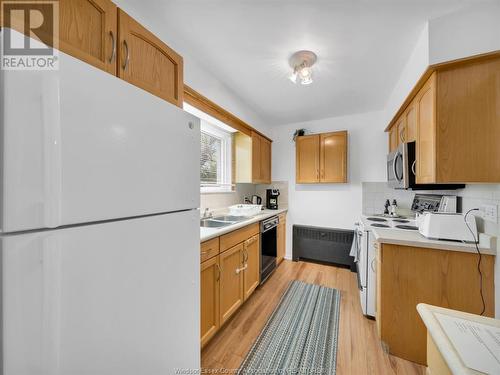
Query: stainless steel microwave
x,y
401,170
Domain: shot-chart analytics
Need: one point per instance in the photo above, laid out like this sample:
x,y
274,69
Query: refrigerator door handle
x,y
52,179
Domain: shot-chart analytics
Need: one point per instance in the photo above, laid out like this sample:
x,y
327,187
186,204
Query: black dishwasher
x,y
268,247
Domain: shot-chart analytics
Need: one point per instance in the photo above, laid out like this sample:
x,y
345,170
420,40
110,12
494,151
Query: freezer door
x,y
120,298
80,145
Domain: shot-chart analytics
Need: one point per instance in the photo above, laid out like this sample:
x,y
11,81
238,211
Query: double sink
x,y
221,221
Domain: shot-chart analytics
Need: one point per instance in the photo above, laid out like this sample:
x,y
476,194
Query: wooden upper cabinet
x,y
147,62
333,157
307,159
468,122
454,118
426,132
256,157
252,158
251,259
321,158
88,31
210,299
393,138
265,160
410,116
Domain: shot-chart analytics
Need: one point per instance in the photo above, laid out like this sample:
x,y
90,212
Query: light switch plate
x,y
489,212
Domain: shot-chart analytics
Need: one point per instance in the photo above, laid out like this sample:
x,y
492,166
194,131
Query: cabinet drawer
x,y
209,249
231,239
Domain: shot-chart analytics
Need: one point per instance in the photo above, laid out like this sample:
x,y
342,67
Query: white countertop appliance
x,y
448,226
99,228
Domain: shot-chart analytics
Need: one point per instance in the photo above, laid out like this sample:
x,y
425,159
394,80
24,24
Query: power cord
x,y
479,260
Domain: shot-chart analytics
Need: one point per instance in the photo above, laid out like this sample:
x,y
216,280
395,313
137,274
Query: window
x,y
216,150
215,159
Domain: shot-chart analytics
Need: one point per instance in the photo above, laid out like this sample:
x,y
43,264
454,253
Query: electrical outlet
x,y
489,212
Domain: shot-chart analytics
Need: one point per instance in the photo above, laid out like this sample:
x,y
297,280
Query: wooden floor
x,y
359,351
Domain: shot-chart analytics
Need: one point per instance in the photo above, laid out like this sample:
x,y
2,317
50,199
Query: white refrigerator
x,y
99,226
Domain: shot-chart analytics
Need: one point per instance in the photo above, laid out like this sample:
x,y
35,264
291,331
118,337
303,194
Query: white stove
x,y
364,250
365,254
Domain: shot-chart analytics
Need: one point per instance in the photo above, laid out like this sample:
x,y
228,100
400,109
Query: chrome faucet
x,y
207,214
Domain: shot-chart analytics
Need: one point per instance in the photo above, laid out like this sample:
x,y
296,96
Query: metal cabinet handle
x,y
204,252
401,135
219,271
245,255
372,265
413,167
127,58
238,270
113,46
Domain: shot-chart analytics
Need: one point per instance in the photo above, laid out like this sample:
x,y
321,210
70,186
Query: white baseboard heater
x,y
329,245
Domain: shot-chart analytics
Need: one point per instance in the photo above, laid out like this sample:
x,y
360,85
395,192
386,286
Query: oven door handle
x,y
360,287
266,229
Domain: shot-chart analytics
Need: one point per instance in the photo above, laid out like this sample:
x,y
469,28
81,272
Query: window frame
x,y
225,185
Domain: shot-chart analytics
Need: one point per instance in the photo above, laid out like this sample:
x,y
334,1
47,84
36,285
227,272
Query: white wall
x,y
331,205
416,65
471,31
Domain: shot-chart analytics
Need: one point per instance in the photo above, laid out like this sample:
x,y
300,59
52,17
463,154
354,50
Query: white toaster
x,y
447,226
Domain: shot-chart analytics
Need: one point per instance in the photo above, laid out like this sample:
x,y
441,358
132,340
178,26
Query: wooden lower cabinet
x,y
251,261
209,290
281,239
231,283
407,276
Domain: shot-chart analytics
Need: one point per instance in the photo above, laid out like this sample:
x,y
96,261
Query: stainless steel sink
x,y
209,223
234,219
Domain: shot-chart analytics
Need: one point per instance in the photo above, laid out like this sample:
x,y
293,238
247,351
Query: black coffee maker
x,y
272,199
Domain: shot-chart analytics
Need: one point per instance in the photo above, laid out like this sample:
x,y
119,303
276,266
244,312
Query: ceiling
x,y
362,47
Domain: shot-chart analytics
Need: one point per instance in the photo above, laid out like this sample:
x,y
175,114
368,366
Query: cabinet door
x,y
333,157
281,239
411,123
87,31
401,128
256,158
209,288
393,138
307,159
265,160
426,132
251,260
146,62
231,282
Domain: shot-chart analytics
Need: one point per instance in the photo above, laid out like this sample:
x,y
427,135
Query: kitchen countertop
x,y
487,244
209,233
443,343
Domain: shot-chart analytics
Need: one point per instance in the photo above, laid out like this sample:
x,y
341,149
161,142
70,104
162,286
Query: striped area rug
x,y
300,337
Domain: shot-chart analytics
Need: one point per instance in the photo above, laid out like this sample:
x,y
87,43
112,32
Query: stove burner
x,y
400,221
376,219
409,227
380,225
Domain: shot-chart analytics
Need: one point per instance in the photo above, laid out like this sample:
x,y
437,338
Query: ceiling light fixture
x,y
301,62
